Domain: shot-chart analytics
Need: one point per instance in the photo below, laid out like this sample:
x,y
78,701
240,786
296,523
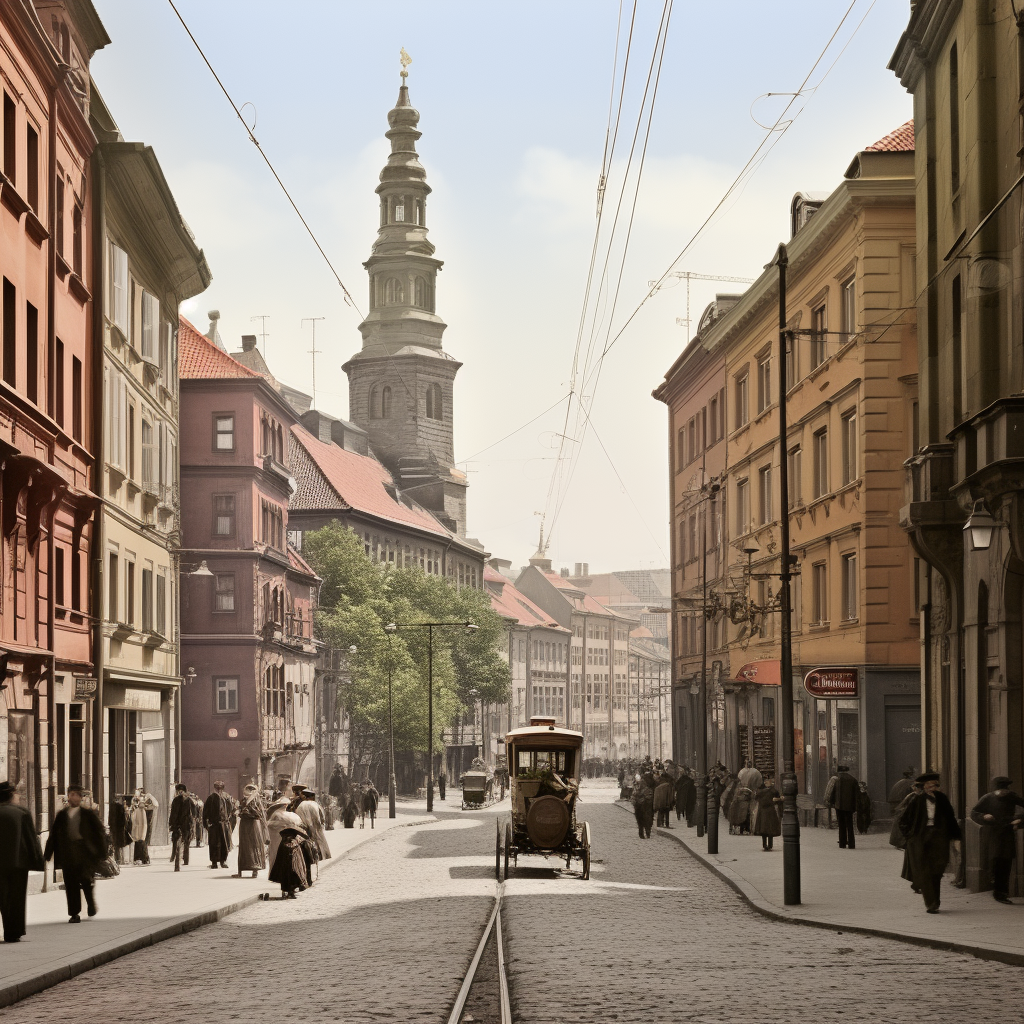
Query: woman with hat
x,y
999,813
252,832
289,869
929,825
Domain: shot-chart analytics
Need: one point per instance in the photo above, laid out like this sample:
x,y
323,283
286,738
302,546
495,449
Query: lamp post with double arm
x,y
393,627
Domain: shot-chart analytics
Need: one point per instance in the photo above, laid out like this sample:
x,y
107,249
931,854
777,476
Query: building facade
x,y
248,652
851,396
962,63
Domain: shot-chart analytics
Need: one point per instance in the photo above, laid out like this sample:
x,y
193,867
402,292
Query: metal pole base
x,y
790,841
391,796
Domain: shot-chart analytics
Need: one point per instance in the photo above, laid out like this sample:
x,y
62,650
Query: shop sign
x,y
764,673
133,698
85,687
831,682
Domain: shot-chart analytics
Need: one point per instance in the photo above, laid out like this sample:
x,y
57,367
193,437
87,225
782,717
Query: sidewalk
x,y
142,906
860,890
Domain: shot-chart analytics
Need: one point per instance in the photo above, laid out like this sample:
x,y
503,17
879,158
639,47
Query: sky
x,y
514,102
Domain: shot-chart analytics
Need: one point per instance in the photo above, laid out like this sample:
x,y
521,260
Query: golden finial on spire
x,y
406,61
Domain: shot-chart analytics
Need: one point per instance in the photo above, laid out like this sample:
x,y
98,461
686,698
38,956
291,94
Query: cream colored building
x,y
852,408
149,263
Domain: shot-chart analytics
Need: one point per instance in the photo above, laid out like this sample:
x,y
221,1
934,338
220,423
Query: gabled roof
x,y
509,603
899,141
200,359
331,478
582,601
297,562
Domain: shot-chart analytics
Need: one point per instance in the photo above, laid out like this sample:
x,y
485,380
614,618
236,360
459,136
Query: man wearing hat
x,y
217,822
180,824
77,844
19,854
929,825
843,798
999,813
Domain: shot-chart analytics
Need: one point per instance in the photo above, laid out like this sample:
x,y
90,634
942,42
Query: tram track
x,y
471,981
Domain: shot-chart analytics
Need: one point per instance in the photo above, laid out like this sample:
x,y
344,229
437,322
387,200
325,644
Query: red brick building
x,y
247,651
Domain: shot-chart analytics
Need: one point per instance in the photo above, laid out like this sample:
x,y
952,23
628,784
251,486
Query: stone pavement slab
x,y
859,889
142,906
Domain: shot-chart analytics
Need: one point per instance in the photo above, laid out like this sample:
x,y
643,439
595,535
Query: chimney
x,y
248,342
565,571
586,569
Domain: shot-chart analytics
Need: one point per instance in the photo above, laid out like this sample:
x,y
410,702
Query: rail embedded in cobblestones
x,y
493,924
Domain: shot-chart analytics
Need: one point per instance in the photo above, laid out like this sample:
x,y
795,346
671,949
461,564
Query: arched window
x,y
375,403
434,407
400,209
385,402
280,445
394,293
419,211
422,293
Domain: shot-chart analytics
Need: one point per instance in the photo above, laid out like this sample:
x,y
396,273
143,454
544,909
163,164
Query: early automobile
x,y
543,766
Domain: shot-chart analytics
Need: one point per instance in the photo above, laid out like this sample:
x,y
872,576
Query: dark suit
x,y
77,856
844,800
928,843
19,854
180,824
216,820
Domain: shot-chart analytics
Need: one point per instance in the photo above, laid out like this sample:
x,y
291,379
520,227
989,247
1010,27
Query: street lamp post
x,y
393,627
391,735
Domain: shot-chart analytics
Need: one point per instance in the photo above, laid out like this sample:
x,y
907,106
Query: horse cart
x,y
477,788
543,766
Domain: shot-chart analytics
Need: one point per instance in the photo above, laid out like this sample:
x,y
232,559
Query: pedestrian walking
x,y
19,854
664,799
843,797
351,811
252,832
863,808
896,837
643,803
289,868
766,821
686,795
312,816
138,829
371,798
1000,813
77,843
902,789
739,809
179,824
120,835
929,825
197,817
278,819
149,804
216,821
442,782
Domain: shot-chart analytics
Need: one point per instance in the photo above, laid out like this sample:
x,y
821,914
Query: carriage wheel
x,y
586,850
497,852
508,846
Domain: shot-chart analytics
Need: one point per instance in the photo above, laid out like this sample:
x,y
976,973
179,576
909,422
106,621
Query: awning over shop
x,y
764,673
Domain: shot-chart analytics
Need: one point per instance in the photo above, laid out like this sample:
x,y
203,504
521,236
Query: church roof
x,y
199,358
332,478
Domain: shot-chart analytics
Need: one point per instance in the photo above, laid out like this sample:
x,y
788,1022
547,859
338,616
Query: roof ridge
x,y
900,140
196,353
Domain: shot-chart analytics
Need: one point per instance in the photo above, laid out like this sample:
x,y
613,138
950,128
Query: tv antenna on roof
x,y
313,351
263,318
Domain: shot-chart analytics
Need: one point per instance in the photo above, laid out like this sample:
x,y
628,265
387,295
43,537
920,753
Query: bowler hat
x,y
1001,782
6,790
928,777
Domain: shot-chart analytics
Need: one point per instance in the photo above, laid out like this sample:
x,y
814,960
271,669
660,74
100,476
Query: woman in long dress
x,y
289,865
252,832
278,819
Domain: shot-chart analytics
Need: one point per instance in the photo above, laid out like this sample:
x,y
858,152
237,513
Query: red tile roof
x,y
511,604
329,477
199,358
899,141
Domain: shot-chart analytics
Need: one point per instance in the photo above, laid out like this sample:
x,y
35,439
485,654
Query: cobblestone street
x,y
388,933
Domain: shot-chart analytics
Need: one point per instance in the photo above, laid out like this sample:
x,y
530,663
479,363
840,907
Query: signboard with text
x,y
831,682
85,687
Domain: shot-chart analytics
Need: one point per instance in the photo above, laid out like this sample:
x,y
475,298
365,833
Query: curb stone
x,y
753,898
29,984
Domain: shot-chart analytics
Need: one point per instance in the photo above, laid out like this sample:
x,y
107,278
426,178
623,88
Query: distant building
x,y
645,594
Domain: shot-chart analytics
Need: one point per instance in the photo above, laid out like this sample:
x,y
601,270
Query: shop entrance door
x,y
902,742
154,779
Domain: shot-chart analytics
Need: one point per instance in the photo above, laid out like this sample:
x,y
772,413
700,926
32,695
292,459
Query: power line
x,y
522,426
252,138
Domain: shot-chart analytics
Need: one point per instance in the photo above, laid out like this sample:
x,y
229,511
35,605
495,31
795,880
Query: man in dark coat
x,y
863,808
685,796
217,821
999,813
902,789
664,798
19,854
643,804
929,825
442,782
844,799
179,822
77,844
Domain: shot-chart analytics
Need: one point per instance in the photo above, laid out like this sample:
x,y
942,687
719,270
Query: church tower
x,y
401,382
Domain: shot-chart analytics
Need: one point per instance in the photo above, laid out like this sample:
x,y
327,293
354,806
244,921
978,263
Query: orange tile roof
x,y
511,604
899,141
348,479
200,359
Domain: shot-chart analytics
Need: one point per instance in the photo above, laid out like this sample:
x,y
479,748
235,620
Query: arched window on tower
x,y
434,406
419,211
383,212
394,293
375,402
385,402
400,209
422,293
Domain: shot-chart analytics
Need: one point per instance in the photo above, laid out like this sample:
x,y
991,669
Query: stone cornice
x,y
928,28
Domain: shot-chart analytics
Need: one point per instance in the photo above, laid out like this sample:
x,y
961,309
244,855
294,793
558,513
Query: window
x,y
764,382
10,334
161,602
32,167
31,352
58,212
742,412
713,420
742,506
10,148
58,575
149,453
423,293
954,120
792,362
167,352
112,581
819,337
117,311
76,580
224,592
850,586
400,210
385,402
959,364
821,463
76,398
434,402
691,434
272,524
375,402
58,383
150,326
224,433
76,239
147,600
849,447
848,298
131,442
796,602
691,545
819,593
795,483
765,487
721,413
224,515
129,593
680,449
394,293
226,690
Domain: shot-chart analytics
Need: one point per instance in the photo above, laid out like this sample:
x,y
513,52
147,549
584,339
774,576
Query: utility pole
x,y
790,821
313,351
263,318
